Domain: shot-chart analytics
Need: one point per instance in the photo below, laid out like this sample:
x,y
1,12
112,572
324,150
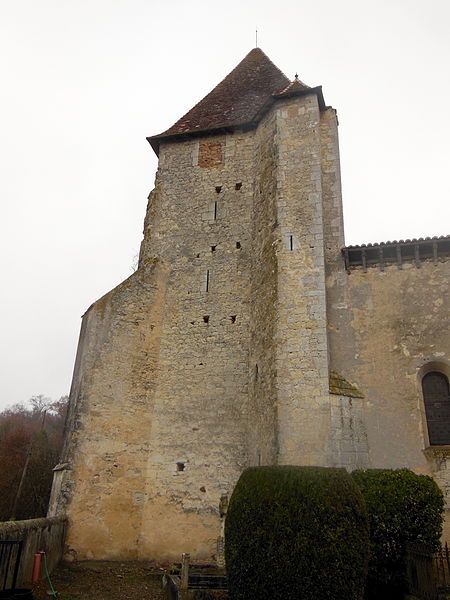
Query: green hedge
x,y
296,532
402,507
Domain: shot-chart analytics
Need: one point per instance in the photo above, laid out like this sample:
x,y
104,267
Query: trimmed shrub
x,y
403,507
296,532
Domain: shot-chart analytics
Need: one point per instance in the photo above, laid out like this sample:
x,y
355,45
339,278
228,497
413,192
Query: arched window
x,y
437,407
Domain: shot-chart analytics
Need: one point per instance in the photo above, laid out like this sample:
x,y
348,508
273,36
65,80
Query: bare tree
x,y
30,443
40,403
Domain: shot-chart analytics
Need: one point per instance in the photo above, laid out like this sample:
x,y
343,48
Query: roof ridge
x,y
296,85
435,238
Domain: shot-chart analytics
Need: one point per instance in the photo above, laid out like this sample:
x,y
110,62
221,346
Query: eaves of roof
x,y
155,140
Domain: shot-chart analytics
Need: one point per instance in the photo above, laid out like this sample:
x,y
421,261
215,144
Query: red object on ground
x,y
36,568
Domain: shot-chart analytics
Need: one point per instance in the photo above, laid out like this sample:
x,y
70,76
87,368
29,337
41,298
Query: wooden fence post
x,y
184,571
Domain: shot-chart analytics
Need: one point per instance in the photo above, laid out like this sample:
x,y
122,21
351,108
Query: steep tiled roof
x,y
238,98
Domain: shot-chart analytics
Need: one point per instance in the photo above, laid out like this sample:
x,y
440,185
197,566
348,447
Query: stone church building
x,y
250,334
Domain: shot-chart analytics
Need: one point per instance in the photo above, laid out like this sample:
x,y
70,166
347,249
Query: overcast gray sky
x,y
85,81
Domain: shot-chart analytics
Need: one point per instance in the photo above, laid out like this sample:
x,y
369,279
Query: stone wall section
x,y
349,446
399,321
111,418
348,433
203,210
333,221
336,276
301,336
262,433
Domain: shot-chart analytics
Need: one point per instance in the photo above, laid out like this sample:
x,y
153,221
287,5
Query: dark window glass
x,y
437,407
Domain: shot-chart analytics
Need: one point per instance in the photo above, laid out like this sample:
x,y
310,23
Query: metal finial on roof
x,y
296,76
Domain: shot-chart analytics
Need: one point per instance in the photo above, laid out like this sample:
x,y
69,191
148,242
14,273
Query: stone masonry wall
x,y
349,446
348,433
399,321
333,222
111,418
301,336
263,446
201,226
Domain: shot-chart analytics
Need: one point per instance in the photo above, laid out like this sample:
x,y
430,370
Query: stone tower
x,y
214,355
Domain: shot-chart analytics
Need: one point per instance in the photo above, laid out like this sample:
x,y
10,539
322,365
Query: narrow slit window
x,y
215,210
206,318
238,245
218,188
180,466
207,281
233,318
291,242
238,185
213,248
256,372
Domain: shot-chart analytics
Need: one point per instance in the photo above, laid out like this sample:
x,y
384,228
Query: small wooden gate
x,y
10,553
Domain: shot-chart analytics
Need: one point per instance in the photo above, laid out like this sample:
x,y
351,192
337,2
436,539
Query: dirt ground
x,y
102,580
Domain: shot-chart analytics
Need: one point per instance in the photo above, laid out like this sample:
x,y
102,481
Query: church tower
x,y
214,355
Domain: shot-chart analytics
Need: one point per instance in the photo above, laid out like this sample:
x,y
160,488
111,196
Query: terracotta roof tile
x,y
294,87
237,99
414,250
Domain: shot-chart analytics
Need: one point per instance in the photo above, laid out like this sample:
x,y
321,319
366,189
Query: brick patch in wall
x,y
210,154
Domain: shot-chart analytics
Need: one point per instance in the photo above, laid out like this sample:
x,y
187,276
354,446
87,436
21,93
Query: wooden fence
x,y
428,572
